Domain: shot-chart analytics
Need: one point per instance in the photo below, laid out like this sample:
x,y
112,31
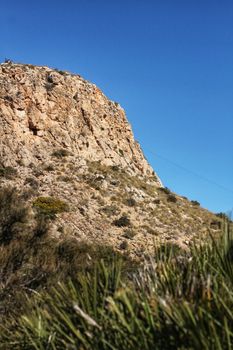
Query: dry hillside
x,y
62,139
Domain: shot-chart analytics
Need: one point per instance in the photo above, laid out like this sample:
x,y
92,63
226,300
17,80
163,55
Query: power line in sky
x,y
189,171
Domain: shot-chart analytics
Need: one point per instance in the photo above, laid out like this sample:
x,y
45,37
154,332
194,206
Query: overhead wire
x,y
188,170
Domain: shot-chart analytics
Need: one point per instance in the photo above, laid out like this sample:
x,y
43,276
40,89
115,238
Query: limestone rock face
x,y
60,137
42,110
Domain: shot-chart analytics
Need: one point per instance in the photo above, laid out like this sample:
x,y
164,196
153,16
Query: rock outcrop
x,y
42,109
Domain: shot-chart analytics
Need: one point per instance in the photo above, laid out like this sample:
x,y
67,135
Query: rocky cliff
x,y
62,139
42,109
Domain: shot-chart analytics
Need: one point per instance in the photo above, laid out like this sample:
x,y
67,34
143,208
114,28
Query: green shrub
x,y
8,60
123,221
64,178
38,172
111,210
61,153
223,216
49,167
216,224
49,86
196,203
115,168
150,230
42,226
124,245
62,72
131,202
174,300
164,189
8,172
32,182
129,234
171,198
121,152
13,215
50,206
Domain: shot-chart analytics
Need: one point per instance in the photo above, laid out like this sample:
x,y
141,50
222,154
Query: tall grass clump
x,y
173,300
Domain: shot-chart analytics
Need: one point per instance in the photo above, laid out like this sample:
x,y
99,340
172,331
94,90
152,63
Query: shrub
x,y
216,225
121,152
8,172
115,168
164,189
8,98
13,215
64,178
111,210
49,86
222,216
171,198
60,153
42,226
124,245
62,72
8,60
49,167
32,182
123,221
94,184
38,172
50,206
129,234
196,203
150,230
131,202
75,255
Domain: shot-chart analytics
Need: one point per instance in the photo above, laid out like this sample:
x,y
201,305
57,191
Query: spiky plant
x,y
175,300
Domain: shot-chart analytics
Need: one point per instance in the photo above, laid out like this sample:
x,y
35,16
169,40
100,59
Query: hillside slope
x,y
61,138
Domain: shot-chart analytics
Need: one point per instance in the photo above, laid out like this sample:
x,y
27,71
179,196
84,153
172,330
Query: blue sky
x,y
169,63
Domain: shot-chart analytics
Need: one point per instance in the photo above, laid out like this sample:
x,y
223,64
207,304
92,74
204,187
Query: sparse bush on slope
x,y
82,296
176,300
13,215
50,206
30,259
8,172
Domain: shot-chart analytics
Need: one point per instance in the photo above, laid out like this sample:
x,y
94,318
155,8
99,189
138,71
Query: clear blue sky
x,y
169,63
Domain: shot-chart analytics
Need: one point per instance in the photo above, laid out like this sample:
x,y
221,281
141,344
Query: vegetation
x,y
120,176
62,72
12,215
32,260
50,206
49,167
131,202
129,234
176,300
164,190
32,182
223,216
195,203
61,153
49,86
64,294
8,172
123,221
111,210
171,198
